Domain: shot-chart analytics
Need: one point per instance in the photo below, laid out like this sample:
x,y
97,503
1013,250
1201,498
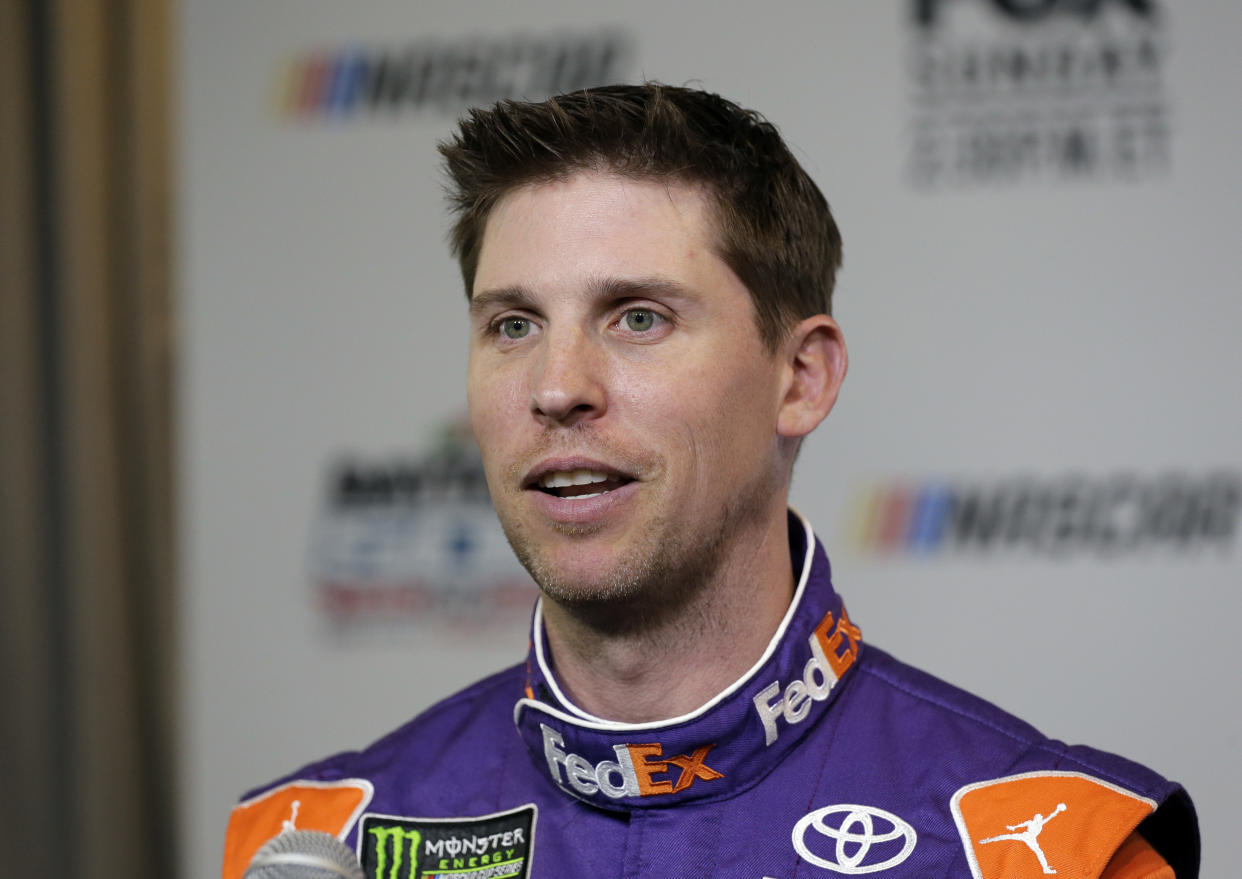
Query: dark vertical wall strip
x,y
52,426
134,445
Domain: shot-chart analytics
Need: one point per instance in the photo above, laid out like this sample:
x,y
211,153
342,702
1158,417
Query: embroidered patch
x,y
834,647
329,806
638,770
853,839
1039,824
497,846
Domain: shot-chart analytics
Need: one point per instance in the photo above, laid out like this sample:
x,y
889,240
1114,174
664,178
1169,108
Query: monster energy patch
x,y
495,846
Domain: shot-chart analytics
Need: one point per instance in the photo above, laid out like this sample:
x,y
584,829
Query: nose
x,y
566,379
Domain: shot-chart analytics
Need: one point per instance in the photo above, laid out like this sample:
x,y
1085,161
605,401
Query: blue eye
x,y
515,328
640,319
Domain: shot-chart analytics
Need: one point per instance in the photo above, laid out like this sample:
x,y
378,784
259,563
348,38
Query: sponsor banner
x,y
1084,515
323,330
415,540
495,846
1010,91
444,76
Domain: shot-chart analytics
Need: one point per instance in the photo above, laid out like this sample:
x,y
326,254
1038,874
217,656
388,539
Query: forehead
x,y
549,232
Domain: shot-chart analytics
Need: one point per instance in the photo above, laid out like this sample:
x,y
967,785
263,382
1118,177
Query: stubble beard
x,y
664,573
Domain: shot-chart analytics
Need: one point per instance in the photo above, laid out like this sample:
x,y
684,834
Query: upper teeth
x,y
563,478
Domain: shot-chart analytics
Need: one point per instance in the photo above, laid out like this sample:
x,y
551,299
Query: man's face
x,y
624,403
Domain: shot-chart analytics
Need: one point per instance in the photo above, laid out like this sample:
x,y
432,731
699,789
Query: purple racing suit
x,y
827,757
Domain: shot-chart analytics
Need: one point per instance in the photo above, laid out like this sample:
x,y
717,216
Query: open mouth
x,y
579,484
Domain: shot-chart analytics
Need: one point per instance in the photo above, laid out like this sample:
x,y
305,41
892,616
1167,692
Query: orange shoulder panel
x,y
1035,824
329,806
1136,859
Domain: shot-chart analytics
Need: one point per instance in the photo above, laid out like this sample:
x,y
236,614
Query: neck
x,y
666,665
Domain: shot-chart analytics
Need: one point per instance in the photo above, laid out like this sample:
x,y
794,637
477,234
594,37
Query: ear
x,y
815,365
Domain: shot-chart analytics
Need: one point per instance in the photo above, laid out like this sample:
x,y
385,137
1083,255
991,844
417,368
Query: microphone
x,y
304,854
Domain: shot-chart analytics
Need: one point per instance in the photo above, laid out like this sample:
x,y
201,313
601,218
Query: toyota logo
x,y
856,830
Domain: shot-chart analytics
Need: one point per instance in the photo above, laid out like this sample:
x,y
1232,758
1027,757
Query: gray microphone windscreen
x,y
304,854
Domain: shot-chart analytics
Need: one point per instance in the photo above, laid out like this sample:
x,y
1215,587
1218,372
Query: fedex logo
x,y
638,771
834,647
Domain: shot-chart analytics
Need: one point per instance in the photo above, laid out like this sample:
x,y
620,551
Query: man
x,y
649,273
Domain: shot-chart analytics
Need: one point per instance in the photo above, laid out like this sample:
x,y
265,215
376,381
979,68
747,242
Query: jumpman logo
x,y
291,824
1028,832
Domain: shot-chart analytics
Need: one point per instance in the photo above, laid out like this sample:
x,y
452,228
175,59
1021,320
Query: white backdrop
x,y
1041,216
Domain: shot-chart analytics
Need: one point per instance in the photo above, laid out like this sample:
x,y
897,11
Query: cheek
x,y
498,411
736,423
712,420
494,431
494,397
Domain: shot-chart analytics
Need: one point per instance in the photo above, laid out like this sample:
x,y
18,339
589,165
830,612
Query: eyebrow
x,y
518,296
626,288
504,297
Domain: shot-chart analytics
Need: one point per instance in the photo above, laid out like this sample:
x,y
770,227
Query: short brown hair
x,y
774,226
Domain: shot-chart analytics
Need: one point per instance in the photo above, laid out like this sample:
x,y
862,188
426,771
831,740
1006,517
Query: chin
x,y
582,582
